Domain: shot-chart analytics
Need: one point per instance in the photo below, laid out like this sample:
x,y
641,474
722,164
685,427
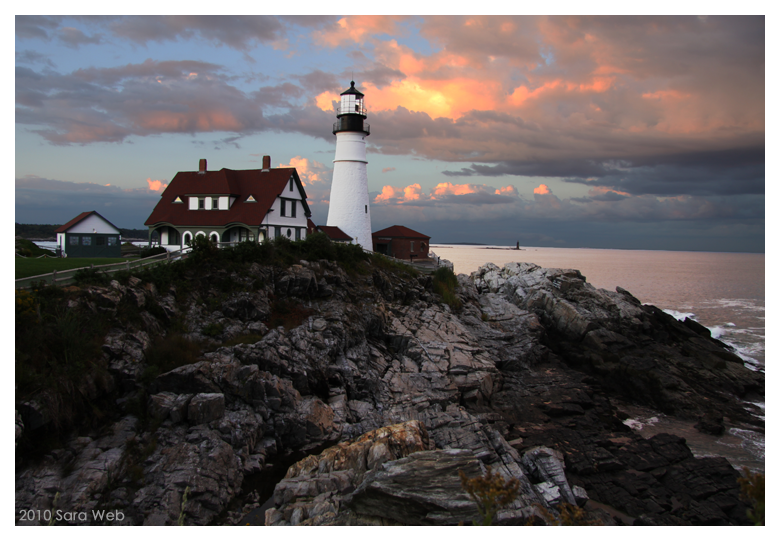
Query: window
x,y
112,241
100,241
411,244
284,211
292,209
366,209
201,203
289,233
214,203
74,240
86,241
291,183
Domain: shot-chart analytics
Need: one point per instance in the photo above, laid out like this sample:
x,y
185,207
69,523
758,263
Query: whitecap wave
x,y
680,316
640,422
753,442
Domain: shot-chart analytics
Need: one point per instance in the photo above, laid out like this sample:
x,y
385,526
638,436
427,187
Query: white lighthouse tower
x,y
349,209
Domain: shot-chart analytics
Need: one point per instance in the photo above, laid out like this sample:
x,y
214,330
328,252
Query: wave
x,y
640,422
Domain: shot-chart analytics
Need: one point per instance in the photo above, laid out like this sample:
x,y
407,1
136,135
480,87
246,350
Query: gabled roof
x,y
64,228
333,232
263,185
399,231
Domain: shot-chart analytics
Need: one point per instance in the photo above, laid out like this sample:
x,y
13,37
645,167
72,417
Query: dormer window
x,y
201,203
178,200
251,199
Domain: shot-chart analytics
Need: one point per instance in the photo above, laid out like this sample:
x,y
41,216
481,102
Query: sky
x,y
628,132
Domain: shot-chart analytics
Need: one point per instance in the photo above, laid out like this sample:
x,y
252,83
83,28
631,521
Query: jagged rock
x,y
502,377
546,465
167,405
421,489
205,407
204,463
19,426
711,424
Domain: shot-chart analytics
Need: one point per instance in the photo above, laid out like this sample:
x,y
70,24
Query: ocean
x,y
722,291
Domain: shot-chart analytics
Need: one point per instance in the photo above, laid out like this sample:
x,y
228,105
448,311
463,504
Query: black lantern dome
x,y
351,112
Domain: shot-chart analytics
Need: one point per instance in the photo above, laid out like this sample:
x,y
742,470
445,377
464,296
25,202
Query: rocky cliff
x,y
384,393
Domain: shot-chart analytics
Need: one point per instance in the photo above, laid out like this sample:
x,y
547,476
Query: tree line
x,y
45,231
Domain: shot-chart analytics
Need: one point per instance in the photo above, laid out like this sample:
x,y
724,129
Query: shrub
x,y
752,492
490,492
445,284
168,352
57,357
287,313
149,252
91,276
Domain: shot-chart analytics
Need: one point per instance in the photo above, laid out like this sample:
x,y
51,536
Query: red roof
x,y
399,231
333,232
263,185
80,217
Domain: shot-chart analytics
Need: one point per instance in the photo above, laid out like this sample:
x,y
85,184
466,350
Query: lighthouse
x,y
349,209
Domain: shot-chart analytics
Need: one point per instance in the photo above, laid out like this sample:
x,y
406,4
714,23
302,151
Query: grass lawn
x,y
34,267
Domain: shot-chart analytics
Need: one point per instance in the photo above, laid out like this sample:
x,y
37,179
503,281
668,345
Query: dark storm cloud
x,y
110,104
561,168
33,57
718,172
74,38
671,180
36,26
46,201
704,235
239,33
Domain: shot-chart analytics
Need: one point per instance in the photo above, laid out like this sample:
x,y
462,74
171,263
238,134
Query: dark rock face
x,y
401,393
635,351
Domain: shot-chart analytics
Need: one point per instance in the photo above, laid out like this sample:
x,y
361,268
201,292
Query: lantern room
x,y
352,102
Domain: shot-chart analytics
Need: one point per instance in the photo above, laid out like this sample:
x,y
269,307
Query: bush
x,y
168,352
91,276
445,284
149,252
57,356
490,492
752,491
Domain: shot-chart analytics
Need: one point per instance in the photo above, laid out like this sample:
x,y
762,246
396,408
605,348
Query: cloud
x,y
153,97
155,185
447,193
238,33
542,189
388,169
316,179
357,29
74,38
46,201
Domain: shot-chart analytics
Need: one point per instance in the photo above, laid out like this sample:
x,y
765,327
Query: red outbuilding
x,y
401,242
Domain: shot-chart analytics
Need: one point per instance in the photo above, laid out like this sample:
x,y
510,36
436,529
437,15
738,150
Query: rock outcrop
x,y
391,393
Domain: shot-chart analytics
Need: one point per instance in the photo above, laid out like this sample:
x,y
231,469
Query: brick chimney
x,y
202,166
266,163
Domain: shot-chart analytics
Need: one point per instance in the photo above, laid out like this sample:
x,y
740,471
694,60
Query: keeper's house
x,y
401,242
230,206
89,235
